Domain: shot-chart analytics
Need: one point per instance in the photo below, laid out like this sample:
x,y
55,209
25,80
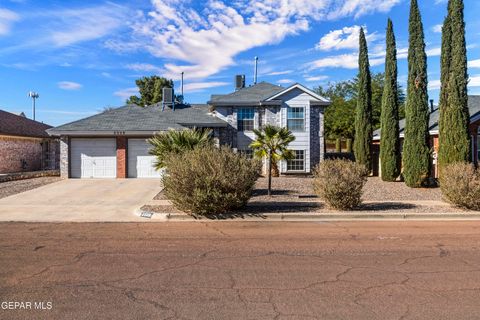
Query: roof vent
x,y
239,81
167,98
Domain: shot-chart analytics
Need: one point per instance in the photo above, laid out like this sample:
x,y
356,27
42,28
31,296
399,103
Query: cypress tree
x,y
416,151
363,116
390,140
454,137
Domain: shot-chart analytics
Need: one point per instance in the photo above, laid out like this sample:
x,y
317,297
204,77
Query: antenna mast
x,y
34,97
255,72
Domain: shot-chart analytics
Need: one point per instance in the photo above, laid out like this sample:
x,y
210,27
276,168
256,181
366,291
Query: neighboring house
x,y
25,145
474,128
113,144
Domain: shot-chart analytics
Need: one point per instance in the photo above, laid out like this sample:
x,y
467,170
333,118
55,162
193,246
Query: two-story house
x,y
113,144
298,108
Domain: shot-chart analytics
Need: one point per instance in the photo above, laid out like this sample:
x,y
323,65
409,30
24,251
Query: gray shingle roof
x,y
148,119
473,107
253,94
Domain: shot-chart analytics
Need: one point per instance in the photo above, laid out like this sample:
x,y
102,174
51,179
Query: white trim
x,y
301,87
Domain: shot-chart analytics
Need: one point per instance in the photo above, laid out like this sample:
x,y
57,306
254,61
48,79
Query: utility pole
x,y
34,97
182,82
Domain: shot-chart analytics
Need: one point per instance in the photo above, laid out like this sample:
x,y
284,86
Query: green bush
x,y
460,185
340,183
209,180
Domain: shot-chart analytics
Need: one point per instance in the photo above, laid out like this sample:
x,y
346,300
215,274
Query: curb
x,y
436,216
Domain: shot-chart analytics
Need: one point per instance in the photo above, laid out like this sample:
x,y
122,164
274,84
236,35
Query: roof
x,y
473,107
253,94
262,93
135,119
15,125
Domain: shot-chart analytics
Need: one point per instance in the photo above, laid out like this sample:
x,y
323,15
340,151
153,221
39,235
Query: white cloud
x,y
434,84
316,78
434,52
69,85
144,67
279,73
7,18
474,63
346,38
474,81
437,28
202,43
285,81
71,26
346,61
199,86
126,93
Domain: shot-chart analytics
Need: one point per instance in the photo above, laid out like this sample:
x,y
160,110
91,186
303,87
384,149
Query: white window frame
x,y
304,161
303,118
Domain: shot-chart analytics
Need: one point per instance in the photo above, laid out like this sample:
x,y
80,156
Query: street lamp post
x,y
34,97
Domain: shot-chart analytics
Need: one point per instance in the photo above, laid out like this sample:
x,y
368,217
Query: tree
x,y
390,140
272,142
340,115
416,151
363,116
454,137
150,89
175,141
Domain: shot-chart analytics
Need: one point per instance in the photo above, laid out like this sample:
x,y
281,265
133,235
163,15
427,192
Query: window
x,y
245,119
297,163
296,119
247,153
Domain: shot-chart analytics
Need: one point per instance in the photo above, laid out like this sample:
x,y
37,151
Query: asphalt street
x,y
241,270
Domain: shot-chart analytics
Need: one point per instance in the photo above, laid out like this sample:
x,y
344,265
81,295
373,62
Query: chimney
x,y
239,82
432,108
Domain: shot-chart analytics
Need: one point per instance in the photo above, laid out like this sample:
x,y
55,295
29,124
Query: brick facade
x,y
64,155
22,154
121,157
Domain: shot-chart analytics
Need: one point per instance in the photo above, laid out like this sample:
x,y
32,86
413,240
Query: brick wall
x,y
15,150
121,157
64,155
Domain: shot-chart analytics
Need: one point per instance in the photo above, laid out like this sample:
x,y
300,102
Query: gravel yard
x,y
13,187
374,190
295,194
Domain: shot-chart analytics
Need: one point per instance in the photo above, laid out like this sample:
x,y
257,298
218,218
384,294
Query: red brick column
x,y
121,157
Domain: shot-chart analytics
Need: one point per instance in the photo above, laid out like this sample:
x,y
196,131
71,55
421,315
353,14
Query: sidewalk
x,y
439,211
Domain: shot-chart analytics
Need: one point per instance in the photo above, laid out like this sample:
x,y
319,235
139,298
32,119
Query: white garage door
x,y
93,158
140,163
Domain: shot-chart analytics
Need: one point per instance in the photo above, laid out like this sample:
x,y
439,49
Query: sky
x,y
83,56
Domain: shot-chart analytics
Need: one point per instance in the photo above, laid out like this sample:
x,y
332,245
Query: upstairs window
x,y
297,163
245,118
296,119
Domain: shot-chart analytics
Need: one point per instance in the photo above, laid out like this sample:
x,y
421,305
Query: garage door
x,y
140,163
93,158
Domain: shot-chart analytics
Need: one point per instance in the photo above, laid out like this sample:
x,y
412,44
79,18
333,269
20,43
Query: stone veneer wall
x,y
317,139
15,150
64,171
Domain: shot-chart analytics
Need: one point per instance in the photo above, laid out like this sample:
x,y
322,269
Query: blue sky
x,y
82,56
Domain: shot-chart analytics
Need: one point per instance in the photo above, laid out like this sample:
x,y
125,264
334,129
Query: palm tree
x,y
174,141
271,142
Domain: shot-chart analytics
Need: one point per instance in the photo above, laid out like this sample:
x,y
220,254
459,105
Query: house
x,y
113,144
296,107
474,128
25,145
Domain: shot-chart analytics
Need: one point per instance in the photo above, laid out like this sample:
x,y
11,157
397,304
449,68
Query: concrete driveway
x,y
84,200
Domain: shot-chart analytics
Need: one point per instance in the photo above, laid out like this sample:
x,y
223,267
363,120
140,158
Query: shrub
x,y
460,185
209,180
339,183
